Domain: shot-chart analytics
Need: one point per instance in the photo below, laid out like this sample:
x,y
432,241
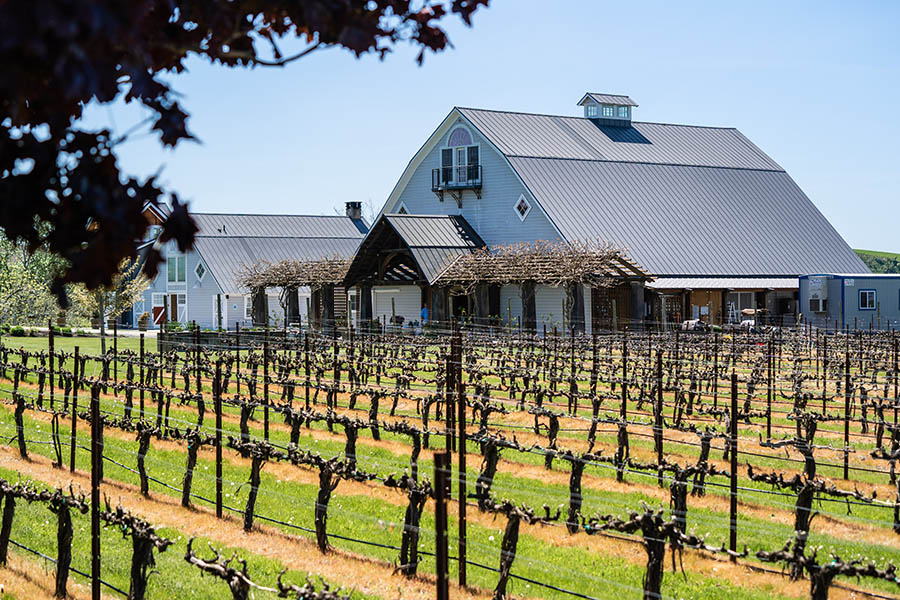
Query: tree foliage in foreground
x,y
60,184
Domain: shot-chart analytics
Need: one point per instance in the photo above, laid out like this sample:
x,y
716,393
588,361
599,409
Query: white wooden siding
x,y
407,302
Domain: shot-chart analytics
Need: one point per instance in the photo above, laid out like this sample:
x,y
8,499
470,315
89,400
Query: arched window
x,y
459,137
460,160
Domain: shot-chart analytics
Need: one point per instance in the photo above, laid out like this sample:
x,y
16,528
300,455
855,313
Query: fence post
x,y
306,364
74,415
141,379
847,410
770,368
658,426
115,352
461,420
96,457
50,355
733,498
237,355
217,398
715,370
441,482
266,384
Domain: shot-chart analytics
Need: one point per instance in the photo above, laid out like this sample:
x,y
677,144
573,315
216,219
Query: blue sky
x,y
816,85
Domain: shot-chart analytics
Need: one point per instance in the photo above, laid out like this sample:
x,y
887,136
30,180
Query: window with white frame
x,y
200,271
522,207
609,111
248,307
623,112
591,111
158,299
460,159
867,299
175,265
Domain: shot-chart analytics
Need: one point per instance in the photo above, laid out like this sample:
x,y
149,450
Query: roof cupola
x,y
608,109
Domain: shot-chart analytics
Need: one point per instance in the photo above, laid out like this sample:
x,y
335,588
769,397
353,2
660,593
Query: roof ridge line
x,y
534,114
275,237
642,162
265,215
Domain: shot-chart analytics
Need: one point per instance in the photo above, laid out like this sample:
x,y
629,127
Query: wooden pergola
x,y
321,276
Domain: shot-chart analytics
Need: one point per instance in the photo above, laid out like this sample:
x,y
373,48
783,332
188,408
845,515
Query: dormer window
x,y
623,112
591,111
609,111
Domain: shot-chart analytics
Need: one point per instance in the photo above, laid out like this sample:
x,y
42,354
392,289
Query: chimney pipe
x,y
353,210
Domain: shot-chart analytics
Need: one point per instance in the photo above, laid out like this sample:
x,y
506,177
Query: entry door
x,y
461,174
177,307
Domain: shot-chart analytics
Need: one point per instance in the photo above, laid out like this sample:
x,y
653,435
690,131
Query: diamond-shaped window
x,y
200,271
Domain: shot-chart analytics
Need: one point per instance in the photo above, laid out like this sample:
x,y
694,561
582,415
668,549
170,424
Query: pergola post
x,y
439,302
482,304
292,316
575,306
364,294
260,307
529,310
327,308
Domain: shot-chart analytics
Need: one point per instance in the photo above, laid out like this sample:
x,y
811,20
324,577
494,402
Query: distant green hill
x,y
880,262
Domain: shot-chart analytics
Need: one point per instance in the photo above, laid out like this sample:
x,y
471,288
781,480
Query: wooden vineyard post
x,y
847,410
217,398
733,498
237,355
461,421
441,483
74,414
623,412
199,371
115,352
96,457
896,377
658,426
824,371
306,365
266,384
50,353
715,378
141,377
770,369
335,351
573,385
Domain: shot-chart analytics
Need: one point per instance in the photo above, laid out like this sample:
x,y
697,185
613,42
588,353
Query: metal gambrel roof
x,y
228,242
677,220
302,226
225,256
551,136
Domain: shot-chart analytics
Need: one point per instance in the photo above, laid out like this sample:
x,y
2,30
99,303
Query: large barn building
x,y
719,224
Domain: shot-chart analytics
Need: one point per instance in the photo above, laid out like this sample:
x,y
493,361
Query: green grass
x,y
35,526
367,518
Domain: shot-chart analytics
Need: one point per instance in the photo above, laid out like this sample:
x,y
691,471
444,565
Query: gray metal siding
x,y
548,306
492,216
677,220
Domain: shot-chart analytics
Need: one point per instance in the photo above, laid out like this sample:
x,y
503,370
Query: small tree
x,y
109,302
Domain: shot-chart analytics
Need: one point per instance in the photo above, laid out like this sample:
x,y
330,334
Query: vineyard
x,y
456,464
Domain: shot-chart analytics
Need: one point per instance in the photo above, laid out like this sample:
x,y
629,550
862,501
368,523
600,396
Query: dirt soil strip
x,y
27,579
846,529
344,567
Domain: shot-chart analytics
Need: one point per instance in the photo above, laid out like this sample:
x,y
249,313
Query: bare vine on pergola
x,y
554,263
289,275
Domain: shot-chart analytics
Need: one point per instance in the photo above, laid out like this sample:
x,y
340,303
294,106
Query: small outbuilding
x,y
854,300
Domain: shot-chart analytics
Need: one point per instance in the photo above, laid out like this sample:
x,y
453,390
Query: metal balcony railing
x,y
467,177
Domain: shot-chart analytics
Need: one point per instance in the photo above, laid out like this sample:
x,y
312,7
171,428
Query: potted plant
x,y
143,321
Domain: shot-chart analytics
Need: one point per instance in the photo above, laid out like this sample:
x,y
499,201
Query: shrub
x,y
17,331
